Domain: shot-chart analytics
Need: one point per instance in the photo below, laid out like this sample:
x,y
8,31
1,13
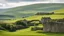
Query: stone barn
x,y
52,25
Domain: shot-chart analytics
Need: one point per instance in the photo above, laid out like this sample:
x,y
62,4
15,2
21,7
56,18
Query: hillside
x,y
3,10
59,11
29,10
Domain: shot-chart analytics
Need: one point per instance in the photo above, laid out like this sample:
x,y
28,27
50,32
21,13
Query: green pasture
x,y
28,32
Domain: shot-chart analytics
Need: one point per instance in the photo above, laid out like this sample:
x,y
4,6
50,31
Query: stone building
x,y
52,25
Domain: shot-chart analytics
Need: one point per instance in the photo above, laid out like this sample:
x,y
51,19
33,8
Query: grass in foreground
x,y
28,32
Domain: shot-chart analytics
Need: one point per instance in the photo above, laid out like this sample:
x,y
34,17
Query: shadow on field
x,y
51,33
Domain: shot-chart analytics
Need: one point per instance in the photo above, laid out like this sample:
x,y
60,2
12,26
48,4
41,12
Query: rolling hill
x,y
29,10
3,10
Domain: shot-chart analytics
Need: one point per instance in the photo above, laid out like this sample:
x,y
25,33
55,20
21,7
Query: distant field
x,y
30,10
59,10
59,14
38,17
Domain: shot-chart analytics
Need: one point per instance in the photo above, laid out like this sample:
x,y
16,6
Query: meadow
x,y
29,14
28,32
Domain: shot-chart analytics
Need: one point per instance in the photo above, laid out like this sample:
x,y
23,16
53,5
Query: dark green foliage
x,y
36,28
8,27
33,29
12,28
1,28
44,13
23,23
20,23
19,27
30,24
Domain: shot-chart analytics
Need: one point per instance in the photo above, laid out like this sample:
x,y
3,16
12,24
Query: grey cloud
x,y
1,5
33,0
12,0
24,0
61,0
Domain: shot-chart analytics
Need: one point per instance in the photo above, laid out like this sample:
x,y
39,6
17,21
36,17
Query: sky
x,y
15,3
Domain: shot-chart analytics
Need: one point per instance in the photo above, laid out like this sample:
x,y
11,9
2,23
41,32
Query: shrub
x,y
19,27
1,28
23,23
36,28
33,29
6,26
12,28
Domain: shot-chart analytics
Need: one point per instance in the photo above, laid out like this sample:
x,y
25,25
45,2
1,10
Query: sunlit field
x,y
28,32
38,17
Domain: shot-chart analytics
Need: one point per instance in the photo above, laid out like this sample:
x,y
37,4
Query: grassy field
x,y
27,31
38,17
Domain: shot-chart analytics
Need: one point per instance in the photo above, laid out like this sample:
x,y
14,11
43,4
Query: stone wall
x,y
44,13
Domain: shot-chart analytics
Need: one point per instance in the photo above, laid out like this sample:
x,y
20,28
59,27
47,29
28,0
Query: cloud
x,y
11,5
61,0
24,0
12,0
1,5
57,1
15,3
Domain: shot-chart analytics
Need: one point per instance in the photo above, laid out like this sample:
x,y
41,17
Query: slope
x,y
30,10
